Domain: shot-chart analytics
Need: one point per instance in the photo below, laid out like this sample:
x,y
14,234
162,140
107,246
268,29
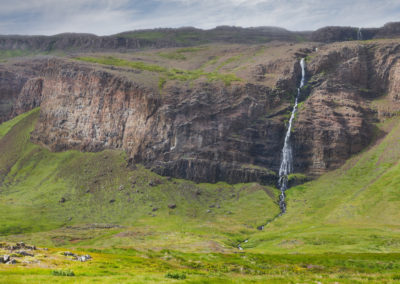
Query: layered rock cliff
x,y
337,118
207,131
188,36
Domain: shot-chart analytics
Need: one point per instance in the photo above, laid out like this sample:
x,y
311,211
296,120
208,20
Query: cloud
x,y
113,16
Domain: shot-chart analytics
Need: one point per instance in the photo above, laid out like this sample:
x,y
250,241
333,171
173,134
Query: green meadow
x,y
343,227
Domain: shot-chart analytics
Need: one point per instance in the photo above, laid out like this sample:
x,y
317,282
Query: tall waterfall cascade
x,y
286,167
359,34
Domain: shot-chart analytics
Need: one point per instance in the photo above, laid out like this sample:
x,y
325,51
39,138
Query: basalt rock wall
x,y
206,131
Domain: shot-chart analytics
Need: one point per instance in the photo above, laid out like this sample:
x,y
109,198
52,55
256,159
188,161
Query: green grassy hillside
x,y
42,191
342,227
352,209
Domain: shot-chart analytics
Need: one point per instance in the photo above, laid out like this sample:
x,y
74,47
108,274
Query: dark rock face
x,y
139,39
82,42
332,34
210,132
335,121
10,86
163,38
20,90
206,133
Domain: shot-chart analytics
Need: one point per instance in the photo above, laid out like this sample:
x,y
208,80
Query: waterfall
x,y
287,158
359,34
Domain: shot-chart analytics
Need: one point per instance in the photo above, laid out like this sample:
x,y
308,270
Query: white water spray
x,y
359,34
287,158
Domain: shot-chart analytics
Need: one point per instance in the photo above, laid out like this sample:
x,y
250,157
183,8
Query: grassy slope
x,y
100,188
350,210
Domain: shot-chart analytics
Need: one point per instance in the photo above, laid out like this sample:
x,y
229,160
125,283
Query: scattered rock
x,y
260,228
155,182
11,261
112,200
171,206
5,258
24,253
19,246
211,206
121,187
208,211
154,209
62,200
81,258
68,253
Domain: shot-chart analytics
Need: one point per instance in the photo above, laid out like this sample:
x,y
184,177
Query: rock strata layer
x,y
206,131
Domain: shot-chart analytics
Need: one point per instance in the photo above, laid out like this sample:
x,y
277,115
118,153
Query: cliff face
x,y
334,34
207,131
163,38
10,87
20,89
337,118
155,38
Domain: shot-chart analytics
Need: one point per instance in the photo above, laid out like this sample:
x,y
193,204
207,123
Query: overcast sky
x,y
104,17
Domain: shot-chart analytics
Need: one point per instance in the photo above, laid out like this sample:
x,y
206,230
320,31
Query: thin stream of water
x,y
286,167
287,159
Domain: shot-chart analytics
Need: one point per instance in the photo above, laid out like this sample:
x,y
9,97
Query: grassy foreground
x,y
341,228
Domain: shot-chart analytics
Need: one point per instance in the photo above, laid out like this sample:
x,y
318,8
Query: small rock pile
x,y
17,250
81,258
7,259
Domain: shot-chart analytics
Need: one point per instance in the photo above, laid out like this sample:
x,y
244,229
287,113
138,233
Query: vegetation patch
x,y
176,275
61,272
179,54
170,74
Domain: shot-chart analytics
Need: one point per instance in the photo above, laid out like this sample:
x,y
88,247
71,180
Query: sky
x,y
105,17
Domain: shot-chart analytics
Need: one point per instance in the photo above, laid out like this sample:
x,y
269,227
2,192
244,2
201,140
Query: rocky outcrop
x,y
187,36
334,34
156,38
11,85
20,89
336,121
209,132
